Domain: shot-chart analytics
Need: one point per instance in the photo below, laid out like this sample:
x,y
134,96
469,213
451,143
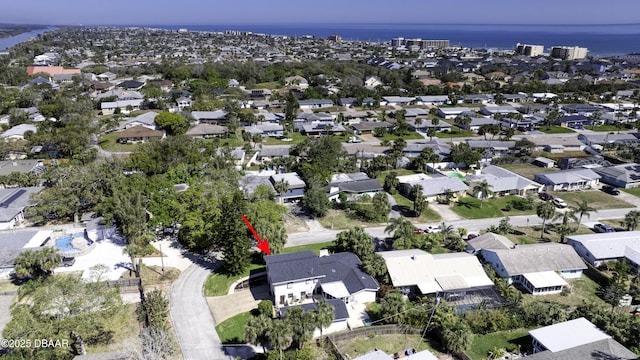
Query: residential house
x,y
566,335
18,132
433,100
265,129
611,139
492,148
626,176
270,152
544,162
398,100
495,110
206,131
477,99
354,185
452,113
372,82
459,278
139,134
489,241
132,84
411,113
503,182
367,127
433,185
263,94
477,122
147,120
121,94
125,106
22,166
320,128
516,98
209,116
347,102
574,121
556,144
340,315
295,278
13,201
568,180
424,125
536,266
183,103
597,350
295,186
598,249
296,81
12,244
107,76
315,103
249,183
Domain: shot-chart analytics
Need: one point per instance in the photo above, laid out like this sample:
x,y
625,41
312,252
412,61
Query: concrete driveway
x,y
224,307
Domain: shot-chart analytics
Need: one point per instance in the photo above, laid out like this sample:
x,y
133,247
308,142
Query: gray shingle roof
x,y
339,309
567,176
490,241
12,244
361,186
599,350
17,204
534,258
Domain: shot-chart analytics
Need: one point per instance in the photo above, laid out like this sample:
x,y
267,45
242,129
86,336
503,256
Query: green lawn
x,y
391,137
232,141
218,284
531,234
231,331
634,191
555,130
469,207
526,170
502,202
313,247
605,128
110,142
482,344
456,133
295,137
388,343
583,291
406,209
338,220
596,199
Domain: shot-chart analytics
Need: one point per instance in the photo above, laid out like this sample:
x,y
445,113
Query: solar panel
x,y
6,202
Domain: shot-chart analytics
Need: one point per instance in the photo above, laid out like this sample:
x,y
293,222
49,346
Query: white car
x,y
433,229
559,203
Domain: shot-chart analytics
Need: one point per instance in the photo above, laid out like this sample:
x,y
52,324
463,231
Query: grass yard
x,y
455,134
482,344
634,191
503,202
338,220
405,206
110,142
232,141
231,331
388,343
555,130
526,170
469,208
295,137
531,234
391,137
605,128
583,290
153,275
313,247
596,199
218,284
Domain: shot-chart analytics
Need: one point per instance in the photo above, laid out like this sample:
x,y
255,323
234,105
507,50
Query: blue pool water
x,y
64,244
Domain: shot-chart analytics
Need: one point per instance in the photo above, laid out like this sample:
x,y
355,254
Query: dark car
x,y
67,261
603,228
545,196
611,190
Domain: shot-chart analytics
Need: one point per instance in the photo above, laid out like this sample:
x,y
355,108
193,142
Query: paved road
x,y
190,315
471,225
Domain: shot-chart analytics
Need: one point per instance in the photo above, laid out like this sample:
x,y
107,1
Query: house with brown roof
x,y
205,131
139,134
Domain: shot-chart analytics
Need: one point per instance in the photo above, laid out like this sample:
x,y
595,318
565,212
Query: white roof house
x,y
570,179
147,120
435,273
600,248
432,185
566,335
18,131
503,181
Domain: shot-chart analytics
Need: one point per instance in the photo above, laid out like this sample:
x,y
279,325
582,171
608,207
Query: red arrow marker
x,y
263,245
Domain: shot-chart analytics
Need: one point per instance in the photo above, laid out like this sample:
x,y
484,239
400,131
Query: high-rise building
x,y
434,43
397,41
335,38
529,50
568,52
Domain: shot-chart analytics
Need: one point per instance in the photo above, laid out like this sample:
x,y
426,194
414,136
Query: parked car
x,y
417,231
603,228
559,203
472,236
433,229
67,261
611,190
545,196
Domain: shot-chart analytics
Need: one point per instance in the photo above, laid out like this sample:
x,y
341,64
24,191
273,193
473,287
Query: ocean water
x,y
10,41
601,40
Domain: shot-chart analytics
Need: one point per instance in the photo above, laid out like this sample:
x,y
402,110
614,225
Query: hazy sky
x,y
212,12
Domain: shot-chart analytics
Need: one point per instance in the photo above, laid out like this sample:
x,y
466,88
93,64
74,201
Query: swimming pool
x,y
457,175
65,243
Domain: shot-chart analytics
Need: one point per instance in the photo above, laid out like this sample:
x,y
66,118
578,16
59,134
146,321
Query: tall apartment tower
x,y
529,50
568,52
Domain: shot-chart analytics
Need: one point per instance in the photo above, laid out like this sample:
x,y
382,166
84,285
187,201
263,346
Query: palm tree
x,y
482,190
545,211
564,229
429,156
582,208
256,329
401,229
457,336
323,316
281,186
280,335
632,220
447,231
